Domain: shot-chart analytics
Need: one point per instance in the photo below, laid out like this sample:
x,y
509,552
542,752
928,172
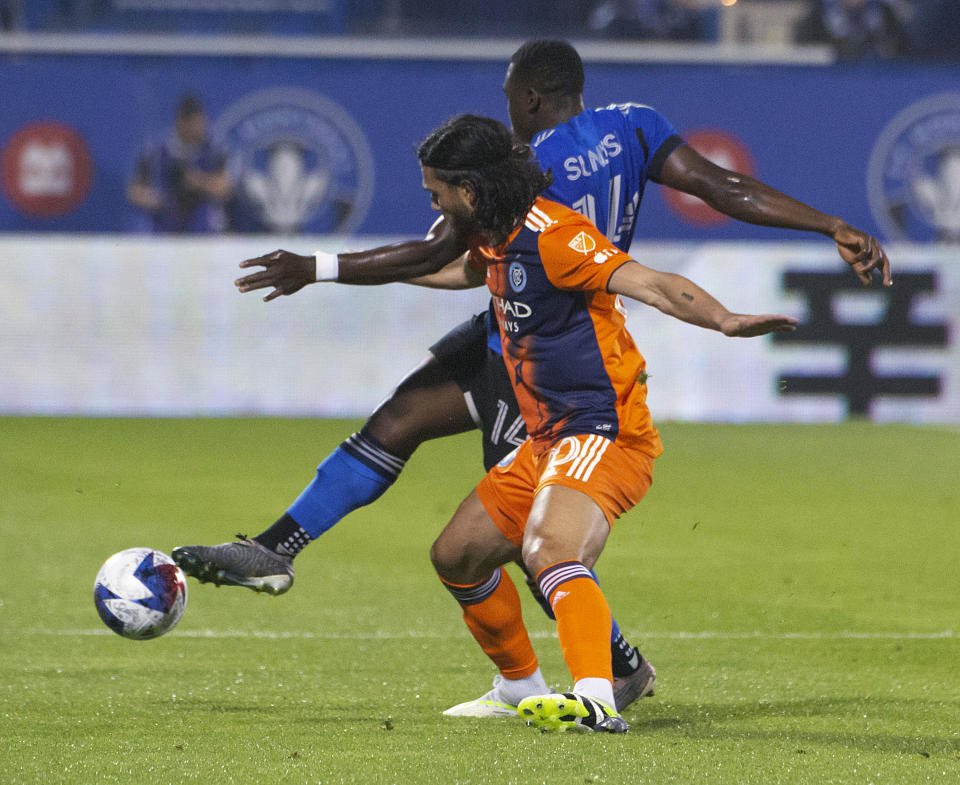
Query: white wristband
x,y
328,266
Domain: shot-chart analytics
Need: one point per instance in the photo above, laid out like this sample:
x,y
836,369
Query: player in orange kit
x,y
579,379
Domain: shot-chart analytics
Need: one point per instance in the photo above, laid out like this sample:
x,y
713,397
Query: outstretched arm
x,y
288,272
752,201
456,275
679,297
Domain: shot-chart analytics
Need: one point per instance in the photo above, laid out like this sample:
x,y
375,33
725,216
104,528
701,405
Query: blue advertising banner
x,y
324,145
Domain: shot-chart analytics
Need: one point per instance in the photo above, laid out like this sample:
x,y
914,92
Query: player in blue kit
x,y
601,160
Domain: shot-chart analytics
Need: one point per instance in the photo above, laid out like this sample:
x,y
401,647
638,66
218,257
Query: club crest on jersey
x,y
583,243
518,277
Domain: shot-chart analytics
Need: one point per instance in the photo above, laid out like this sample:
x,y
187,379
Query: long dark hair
x,y
502,172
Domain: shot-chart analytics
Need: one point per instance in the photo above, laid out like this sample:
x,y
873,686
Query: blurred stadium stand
x,y
927,29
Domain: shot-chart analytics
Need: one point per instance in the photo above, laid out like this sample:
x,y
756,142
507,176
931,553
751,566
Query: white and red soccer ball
x,y
140,593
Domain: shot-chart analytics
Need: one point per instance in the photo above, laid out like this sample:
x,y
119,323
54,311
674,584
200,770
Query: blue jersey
x,y
601,161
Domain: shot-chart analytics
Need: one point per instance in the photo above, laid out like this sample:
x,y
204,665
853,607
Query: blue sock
x,y
353,475
615,632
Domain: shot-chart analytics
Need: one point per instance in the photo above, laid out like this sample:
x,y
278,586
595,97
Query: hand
x,y
286,272
744,325
145,197
195,179
863,253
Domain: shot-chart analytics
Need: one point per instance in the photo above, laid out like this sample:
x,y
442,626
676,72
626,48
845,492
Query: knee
x,y
396,427
533,561
537,553
459,563
440,558
540,552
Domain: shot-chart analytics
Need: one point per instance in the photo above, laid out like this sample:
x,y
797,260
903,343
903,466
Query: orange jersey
x,y
574,366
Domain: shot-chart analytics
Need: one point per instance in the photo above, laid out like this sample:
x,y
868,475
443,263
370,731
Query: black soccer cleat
x,y
243,563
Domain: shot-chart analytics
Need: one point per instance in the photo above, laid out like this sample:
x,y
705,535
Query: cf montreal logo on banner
x,y
47,170
914,173
300,163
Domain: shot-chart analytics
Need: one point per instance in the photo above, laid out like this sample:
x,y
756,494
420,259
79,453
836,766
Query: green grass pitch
x,y
797,587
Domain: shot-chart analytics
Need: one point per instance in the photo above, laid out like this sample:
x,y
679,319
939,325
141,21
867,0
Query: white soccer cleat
x,y
490,705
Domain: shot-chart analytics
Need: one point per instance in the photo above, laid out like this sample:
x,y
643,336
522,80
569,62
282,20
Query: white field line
x,y
415,634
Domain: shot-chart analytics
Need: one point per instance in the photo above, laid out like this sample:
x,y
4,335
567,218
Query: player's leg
x,y
565,534
489,393
634,676
427,404
469,555
569,521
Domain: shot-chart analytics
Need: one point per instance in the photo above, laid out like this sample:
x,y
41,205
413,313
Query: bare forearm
x,y
398,262
456,275
752,201
403,261
288,272
682,299
741,196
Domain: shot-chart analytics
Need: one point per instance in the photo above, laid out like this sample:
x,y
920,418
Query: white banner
x,y
150,326
890,354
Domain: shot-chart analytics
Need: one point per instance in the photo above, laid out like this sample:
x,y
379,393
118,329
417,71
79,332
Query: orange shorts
x,y
614,477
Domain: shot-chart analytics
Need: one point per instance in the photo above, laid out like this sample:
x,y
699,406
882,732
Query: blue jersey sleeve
x,y
655,133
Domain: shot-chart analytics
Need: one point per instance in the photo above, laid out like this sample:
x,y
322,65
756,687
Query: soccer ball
x,y
140,593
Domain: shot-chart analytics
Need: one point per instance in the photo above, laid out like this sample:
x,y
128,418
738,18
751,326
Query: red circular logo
x,y
724,150
47,170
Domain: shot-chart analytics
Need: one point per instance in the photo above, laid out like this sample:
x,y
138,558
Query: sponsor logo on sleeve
x,y
583,243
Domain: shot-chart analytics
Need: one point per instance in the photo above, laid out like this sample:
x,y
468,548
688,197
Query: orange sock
x,y
492,612
583,619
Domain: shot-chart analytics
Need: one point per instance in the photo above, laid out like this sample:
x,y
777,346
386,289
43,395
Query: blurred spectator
x,y
934,29
10,12
858,29
181,183
656,19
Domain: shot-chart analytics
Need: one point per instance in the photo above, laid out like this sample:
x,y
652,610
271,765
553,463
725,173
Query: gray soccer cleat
x,y
639,684
242,563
